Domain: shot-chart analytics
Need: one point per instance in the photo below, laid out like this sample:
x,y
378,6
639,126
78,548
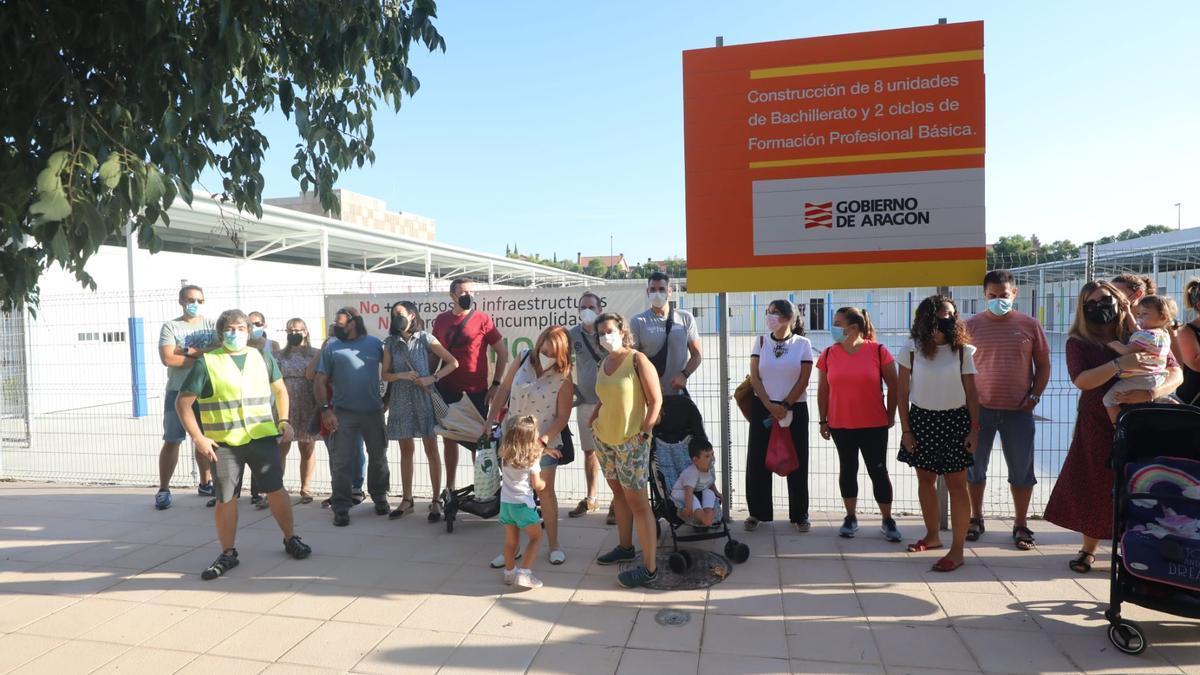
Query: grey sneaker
x,y
635,577
849,527
802,526
889,530
617,555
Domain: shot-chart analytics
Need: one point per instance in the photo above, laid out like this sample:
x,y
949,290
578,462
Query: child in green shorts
x,y
520,455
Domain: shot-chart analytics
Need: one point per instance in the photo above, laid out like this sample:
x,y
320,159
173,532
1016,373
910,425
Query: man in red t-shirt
x,y
467,334
1012,358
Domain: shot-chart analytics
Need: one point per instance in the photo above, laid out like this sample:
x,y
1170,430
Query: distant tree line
x,y
1018,250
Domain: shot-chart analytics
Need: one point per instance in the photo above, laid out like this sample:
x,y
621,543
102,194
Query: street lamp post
x,y
1178,215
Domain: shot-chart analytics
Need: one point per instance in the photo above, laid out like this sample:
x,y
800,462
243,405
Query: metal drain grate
x,y
672,617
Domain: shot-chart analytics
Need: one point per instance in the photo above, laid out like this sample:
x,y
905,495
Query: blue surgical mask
x,y
192,309
837,333
235,340
257,332
1000,306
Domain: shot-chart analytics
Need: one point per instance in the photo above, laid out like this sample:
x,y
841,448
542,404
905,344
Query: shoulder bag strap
x,y
584,336
458,330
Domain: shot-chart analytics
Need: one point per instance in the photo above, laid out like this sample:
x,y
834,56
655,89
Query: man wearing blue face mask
x,y
1012,358
181,341
258,334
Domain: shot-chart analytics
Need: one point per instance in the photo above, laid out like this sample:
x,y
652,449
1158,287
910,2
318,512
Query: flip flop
x,y
946,565
975,529
920,546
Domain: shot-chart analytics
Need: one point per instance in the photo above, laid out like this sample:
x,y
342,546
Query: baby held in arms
x,y
1154,314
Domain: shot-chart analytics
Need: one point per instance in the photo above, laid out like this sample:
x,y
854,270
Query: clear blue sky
x,y
556,124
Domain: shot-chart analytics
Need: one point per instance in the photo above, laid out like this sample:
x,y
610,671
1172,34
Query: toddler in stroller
x,y
679,433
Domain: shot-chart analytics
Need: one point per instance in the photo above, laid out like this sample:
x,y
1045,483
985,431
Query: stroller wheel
x,y
731,549
688,559
741,552
677,562
1128,637
449,525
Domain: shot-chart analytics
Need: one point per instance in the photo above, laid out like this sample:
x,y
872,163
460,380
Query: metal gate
x,y
14,390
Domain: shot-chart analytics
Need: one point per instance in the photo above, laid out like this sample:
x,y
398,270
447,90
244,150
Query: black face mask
x,y
947,325
1100,315
399,324
465,300
295,339
340,332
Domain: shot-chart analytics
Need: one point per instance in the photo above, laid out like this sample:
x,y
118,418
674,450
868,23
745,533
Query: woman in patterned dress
x,y
407,369
298,362
1082,496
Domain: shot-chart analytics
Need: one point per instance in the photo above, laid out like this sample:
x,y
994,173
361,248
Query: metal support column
x,y
1089,269
429,270
723,377
136,335
324,280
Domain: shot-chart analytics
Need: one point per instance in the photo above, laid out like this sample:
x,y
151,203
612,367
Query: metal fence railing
x,y
65,378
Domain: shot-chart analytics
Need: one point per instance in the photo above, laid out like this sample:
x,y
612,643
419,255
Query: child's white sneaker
x,y
510,577
525,579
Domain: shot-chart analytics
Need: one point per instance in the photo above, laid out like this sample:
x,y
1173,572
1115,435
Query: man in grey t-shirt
x,y
682,356
588,353
180,342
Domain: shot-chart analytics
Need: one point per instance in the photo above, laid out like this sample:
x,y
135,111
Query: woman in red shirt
x,y
850,399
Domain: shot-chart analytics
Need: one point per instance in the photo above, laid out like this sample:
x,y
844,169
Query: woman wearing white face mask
x,y
780,366
850,399
539,384
630,398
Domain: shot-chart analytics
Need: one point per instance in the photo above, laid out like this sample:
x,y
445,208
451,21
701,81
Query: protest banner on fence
x,y
520,314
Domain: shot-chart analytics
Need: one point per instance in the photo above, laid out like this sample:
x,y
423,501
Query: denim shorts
x,y
173,431
1016,431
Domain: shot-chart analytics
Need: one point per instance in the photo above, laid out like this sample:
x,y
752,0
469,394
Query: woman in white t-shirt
x,y
939,418
780,365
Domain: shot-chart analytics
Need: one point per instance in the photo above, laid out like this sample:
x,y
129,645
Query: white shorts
x,y
1144,382
705,500
587,442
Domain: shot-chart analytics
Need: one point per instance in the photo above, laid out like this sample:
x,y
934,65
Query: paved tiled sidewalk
x,y
93,579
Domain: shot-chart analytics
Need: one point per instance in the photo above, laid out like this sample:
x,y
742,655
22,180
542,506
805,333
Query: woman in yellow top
x,y
630,400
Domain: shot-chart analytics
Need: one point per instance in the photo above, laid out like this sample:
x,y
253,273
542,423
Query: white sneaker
x,y
498,561
525,579
510,577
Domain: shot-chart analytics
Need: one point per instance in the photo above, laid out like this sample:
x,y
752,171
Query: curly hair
x,y
925,325
519,448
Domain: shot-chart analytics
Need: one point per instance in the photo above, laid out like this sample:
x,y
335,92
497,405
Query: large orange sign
x,y
847,161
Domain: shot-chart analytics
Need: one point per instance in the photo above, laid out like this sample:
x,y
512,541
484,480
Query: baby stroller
x,y
1156,519
679,424
487,477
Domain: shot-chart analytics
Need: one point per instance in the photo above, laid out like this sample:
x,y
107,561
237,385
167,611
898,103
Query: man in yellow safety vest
x,y
234,386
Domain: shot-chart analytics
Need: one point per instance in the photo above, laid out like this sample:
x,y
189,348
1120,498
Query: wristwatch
x,y
1034,397
327,406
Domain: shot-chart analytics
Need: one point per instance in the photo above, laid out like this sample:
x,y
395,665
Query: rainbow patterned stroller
x,y
1156,519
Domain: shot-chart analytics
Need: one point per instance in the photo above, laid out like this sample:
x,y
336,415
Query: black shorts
x,y
477,397
265,462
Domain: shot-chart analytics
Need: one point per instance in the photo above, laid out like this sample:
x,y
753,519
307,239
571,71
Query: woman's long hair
x,y
1138,282
304,344
1081,329
787,312
560,345
924,326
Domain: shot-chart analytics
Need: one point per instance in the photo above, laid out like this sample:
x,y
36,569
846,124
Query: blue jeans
x,y
1016,431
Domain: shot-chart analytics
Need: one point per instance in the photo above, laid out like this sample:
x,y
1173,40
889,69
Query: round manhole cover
x,y
706,569
672,617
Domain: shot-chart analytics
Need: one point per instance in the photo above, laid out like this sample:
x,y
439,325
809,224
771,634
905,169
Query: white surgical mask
x,y
659,300
587,315
612,341
773,322
235,340
546,361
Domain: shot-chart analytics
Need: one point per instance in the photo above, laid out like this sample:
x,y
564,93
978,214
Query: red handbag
x,y
781,452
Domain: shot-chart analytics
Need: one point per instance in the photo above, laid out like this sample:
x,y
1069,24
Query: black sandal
x,y
975,529
1023,538
1082,563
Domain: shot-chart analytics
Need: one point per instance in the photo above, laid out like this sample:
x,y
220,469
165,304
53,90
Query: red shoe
x,y
946,565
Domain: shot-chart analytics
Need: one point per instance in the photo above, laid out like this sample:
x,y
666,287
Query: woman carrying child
x,y
939,420
520,456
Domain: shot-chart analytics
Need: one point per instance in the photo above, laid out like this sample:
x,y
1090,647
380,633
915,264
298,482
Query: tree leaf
x,y
58,161
48,181
110,171
154,185
51,207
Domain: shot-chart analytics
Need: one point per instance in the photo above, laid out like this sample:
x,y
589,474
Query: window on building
x,y
115,336
816,314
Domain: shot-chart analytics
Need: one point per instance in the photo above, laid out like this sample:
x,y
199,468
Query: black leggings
x,y
873,445
759,478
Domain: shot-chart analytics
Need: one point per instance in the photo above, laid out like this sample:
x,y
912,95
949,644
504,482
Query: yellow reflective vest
x,y
239,409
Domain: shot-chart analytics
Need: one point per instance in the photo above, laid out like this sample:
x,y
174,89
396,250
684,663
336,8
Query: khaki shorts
x,y
583,414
